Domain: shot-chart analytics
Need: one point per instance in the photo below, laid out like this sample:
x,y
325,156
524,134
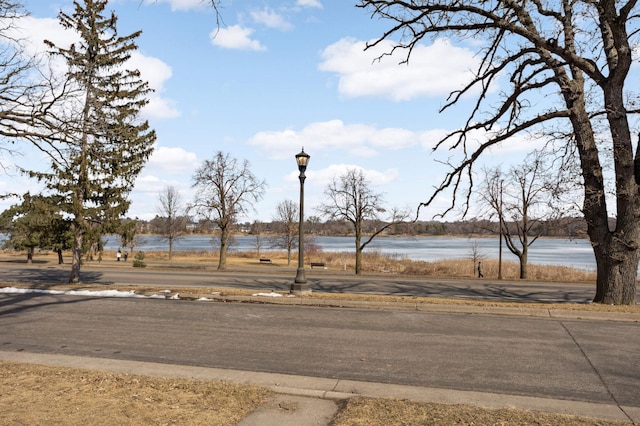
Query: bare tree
x,y
577,55
257,228
522,200
350,198
24,90
226,189
173,224
286,227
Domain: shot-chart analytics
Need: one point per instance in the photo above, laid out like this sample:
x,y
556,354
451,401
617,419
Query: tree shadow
x,y
24,261
489,291
41,276
16,303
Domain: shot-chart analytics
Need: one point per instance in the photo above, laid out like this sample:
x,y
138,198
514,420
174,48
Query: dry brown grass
x,y
375,262
384,412
38,395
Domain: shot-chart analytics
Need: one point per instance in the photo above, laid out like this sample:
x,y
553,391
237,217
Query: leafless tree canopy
x,y
226,189
542,51
21,88
522,198
566,67
350,198
170,208
286,227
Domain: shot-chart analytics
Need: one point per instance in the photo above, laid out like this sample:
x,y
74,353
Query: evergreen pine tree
x,y
35,223
98,144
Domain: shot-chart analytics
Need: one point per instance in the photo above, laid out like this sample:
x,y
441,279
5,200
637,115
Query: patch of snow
x,y
272,294
90,293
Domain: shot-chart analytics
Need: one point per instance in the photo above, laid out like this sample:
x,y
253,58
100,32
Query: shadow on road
x,y
456,291
44,276
11,304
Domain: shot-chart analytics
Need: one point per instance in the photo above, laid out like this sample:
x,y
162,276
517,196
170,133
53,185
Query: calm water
x,y
573,253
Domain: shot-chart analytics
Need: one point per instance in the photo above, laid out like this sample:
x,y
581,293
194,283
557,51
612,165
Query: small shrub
x,y
138,262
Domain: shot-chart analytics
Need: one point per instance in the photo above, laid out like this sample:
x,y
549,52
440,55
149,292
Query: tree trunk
x,y
617,267
524,262
60,259
224,237
616,252
30,251
76,257
358,252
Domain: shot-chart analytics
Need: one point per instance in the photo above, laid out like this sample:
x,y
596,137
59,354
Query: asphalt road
x,y
269,278
593,361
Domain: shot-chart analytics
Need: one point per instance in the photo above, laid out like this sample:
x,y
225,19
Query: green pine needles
x,y
97,143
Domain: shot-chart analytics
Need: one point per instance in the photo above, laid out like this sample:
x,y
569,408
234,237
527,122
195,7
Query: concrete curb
x,y
436,308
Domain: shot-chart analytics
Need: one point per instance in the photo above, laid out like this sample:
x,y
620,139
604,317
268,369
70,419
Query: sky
x,y
271,78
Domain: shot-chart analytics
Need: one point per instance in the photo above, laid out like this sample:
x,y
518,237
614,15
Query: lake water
x,y
576,253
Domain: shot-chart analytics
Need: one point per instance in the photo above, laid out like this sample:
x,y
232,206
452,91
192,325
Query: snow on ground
x,y
272,294
112,293
101,293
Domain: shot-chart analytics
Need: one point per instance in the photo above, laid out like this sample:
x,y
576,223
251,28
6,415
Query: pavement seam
x,y
595,370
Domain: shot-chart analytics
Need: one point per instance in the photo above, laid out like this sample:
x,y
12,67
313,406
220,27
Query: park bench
x,y
318,265
263,260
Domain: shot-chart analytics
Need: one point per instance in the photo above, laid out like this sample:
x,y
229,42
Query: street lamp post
x,y
500,248
300,285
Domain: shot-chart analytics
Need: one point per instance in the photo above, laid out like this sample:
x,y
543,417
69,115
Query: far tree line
x,y
568,227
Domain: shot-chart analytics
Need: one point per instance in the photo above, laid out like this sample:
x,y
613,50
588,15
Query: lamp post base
x,y
300,289
300,286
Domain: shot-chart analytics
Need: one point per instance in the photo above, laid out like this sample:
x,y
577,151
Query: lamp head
x,y
302,159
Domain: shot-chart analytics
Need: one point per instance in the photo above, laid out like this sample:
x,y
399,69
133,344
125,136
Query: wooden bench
x,y
318,265
263,260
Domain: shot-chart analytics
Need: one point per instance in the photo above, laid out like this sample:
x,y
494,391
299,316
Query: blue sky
x,y
275,77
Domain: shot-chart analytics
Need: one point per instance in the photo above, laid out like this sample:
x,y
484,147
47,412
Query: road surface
x,y
594,361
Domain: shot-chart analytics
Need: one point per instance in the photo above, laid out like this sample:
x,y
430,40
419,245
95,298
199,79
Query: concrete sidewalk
x,y
303,401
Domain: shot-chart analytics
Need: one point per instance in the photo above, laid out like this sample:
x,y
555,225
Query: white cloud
x,y
325,176
152,70
358,139
235,37
172,161
146,192
160,108
433,70
149,187
374,177
183,5
156,73
309,3
271,19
